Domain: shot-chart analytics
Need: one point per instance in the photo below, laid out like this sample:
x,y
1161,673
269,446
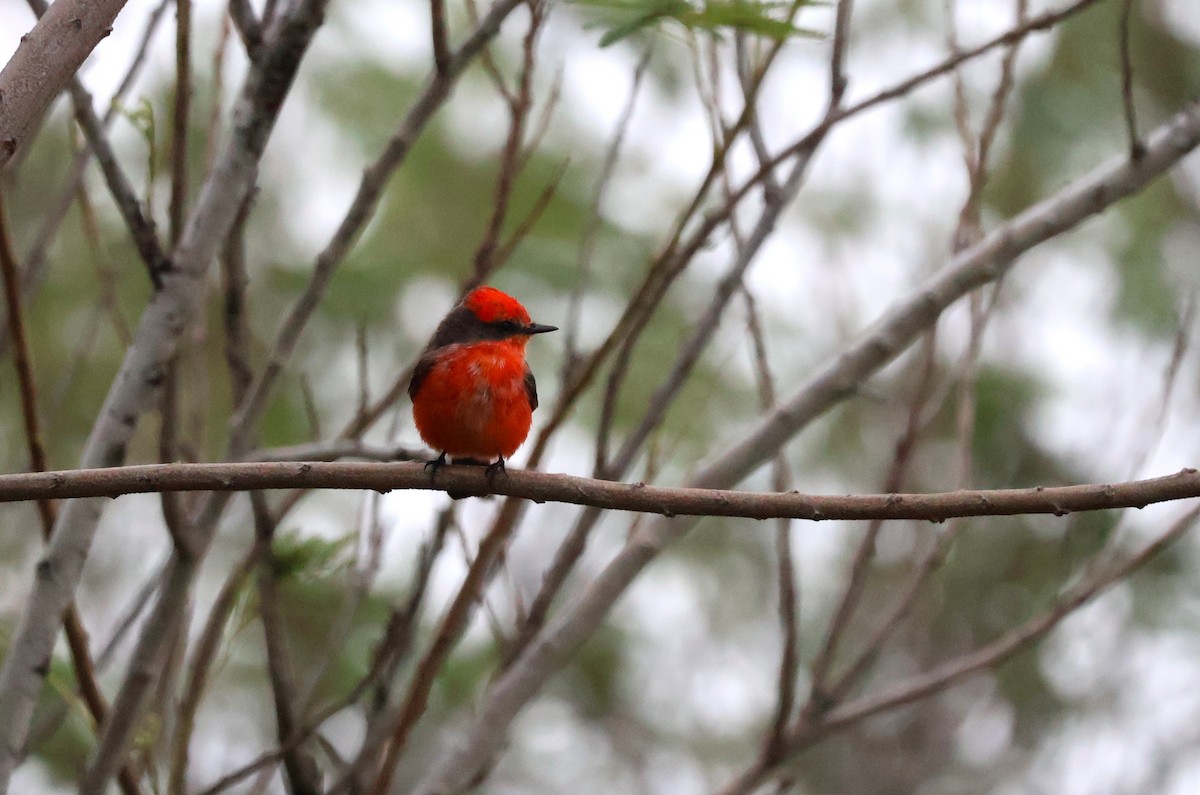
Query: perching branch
x,y
545,487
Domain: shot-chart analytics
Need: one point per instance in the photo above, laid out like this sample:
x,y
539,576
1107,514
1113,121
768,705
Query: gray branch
x,y
475,747
135,387
45,61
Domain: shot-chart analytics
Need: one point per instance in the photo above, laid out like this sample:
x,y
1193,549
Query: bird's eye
x,y
509,325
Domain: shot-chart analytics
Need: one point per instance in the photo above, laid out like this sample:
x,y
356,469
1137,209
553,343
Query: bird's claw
x,y
494,467
433,466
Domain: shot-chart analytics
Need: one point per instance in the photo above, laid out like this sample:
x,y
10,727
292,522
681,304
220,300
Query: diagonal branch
x,y
980,264
985,657
135,387
76,633
974,267
137,219
45,61
362,208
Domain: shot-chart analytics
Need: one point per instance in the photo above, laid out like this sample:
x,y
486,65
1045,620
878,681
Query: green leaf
x,y
142,119
767,18
293,555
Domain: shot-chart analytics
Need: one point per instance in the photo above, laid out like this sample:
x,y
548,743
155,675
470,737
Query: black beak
x,y
538,328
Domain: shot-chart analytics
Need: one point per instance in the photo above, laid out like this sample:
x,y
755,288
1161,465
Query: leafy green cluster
x,y
767,18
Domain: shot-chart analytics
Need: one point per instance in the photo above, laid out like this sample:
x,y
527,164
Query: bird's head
x,y
487,314
502,314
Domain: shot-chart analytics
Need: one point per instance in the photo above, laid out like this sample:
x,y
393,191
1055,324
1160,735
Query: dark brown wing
x,y
424,365
530,388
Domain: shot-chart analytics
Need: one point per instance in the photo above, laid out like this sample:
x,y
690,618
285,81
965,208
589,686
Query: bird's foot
x,y
494,467
433,466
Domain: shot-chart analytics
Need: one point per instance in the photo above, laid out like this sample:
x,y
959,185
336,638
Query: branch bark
x,y
45,60
611,495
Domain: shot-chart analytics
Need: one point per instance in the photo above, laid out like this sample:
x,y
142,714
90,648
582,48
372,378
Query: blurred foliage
x,y
298,556
1057,130
769,19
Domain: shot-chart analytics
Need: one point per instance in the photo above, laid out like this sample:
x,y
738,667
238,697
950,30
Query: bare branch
x,y
441,50
137,219
1136,147
248,26
980,264
204,652
544,487
180,111
370,189
952,671
511,162
302,774
451,629
587,242
135,386
789,600
35,256
44,63
975,266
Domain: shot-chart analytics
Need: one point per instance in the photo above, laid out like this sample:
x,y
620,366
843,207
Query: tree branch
x,y
974,267
135,386
544,487
476,745
46,59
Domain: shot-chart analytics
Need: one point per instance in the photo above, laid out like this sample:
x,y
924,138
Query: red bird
x,y
473,393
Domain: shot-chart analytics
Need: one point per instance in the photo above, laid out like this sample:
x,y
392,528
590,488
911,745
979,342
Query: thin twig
x,y
1036,24
1136,148
519,104
587,241
77,637
204,653
985,657
303,776
248,27
180,112
389,653
451,629
676,258
441,50
789,598
137,220
855,580
173,512
361,209
523,227
35,255
106,275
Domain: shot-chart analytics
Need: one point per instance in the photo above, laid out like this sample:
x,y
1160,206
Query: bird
x,y
472,391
